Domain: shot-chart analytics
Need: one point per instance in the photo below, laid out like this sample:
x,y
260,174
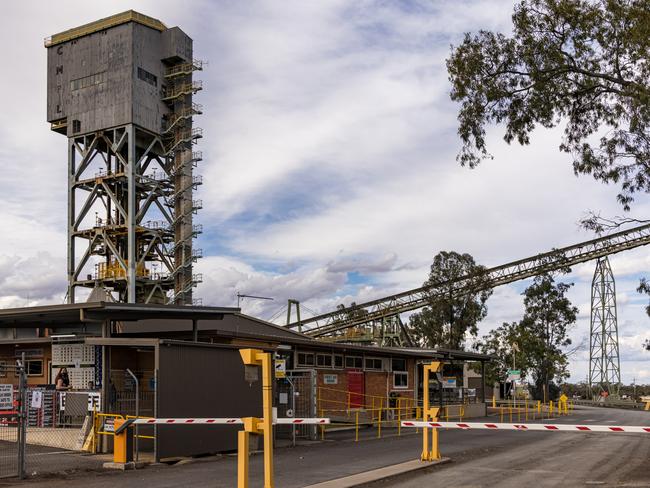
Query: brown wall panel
x,y
202,381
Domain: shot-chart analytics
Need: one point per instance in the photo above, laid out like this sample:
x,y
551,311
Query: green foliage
x,y
503,343
580,62
451,314
540,336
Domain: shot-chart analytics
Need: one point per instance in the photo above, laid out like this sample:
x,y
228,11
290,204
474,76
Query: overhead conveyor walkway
x,y
331,323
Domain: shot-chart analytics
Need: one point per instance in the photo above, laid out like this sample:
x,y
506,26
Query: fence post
x,y
322,428
356,428
22,417
381,404
399,416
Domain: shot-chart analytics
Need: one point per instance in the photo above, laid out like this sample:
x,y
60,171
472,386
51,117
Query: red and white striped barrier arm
x,y
226,421
537,427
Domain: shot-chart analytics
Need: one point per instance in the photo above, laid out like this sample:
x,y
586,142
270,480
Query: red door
x,y
356,388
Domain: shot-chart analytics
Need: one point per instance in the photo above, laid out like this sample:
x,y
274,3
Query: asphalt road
x,y
542,459
480,459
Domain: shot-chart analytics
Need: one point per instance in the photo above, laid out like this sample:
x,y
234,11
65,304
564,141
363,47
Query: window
x,y
400,380
324,360
398,365
338,361
144,75
374,363
3,369
355,362
34,367
76,126
400,373
87,81
305,359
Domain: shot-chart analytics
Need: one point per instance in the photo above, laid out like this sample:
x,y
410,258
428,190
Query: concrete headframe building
x,y
121,89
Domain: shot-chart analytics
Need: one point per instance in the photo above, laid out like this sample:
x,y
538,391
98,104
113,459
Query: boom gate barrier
x,y
532,427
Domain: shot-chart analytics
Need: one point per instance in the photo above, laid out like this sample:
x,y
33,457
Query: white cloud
x,y
329,161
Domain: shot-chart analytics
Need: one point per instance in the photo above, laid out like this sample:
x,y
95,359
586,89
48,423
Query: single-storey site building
x,y
173,361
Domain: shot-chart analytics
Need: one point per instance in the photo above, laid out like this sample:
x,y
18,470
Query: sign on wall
x,y
331,379
280,368
449,382
6,397
37,399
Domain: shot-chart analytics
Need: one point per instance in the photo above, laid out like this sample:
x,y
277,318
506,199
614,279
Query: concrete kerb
x,y
381,474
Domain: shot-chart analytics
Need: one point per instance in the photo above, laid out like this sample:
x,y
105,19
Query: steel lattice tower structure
x,y
121,89
604,362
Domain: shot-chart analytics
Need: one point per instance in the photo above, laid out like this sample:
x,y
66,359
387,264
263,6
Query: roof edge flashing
x,y
105,23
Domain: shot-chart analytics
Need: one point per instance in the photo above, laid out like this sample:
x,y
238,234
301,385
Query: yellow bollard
x,y
494,401
501,411
550,408
122,444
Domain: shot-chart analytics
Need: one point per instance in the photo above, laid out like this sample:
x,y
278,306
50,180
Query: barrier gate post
x,y
430,414
257,357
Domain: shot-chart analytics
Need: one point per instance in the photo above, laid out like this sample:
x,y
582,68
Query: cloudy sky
x,y
329,161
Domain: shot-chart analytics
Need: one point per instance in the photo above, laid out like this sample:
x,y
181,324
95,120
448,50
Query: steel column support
x,y
131,214
71,219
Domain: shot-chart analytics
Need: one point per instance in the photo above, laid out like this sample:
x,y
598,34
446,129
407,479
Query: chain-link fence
x,y
42,429
9,422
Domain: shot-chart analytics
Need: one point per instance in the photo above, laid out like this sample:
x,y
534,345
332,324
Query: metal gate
x,y
296,395
12,424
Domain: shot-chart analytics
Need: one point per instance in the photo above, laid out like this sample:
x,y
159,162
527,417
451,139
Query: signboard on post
x,y
514,375
280,368
6,397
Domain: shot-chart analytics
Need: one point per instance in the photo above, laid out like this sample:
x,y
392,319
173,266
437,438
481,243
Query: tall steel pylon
x,y
604,362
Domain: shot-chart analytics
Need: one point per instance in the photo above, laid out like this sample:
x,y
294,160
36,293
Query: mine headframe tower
x,y
121,89
604,361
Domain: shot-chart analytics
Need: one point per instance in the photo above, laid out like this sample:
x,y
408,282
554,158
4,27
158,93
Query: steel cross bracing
x,y
604,362
377,310
122,242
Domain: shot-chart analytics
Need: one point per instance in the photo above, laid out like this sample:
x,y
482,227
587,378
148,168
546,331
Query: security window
x,y
324,360
150,78
305,359
398,365
400,380
338,361
34,367
354,362
374,363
